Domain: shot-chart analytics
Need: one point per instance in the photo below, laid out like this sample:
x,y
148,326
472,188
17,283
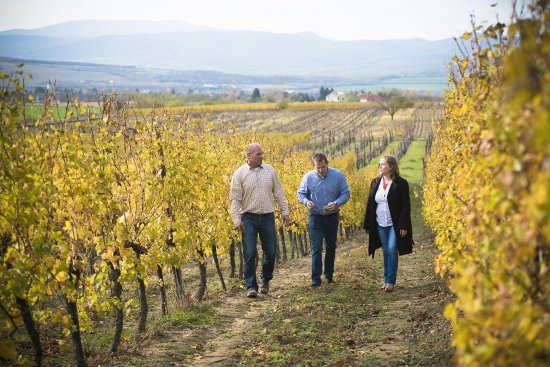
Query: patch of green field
x,y
411,165
393,146
58,113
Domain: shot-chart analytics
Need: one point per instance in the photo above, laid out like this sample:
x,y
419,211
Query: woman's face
x,y
384,168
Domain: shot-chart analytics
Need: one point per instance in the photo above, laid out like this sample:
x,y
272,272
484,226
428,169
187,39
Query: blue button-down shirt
x,y
323,190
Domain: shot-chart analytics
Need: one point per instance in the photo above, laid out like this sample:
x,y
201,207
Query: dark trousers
x,y
322,227
264,225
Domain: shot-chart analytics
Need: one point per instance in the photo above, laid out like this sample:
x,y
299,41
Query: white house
x,y
335,96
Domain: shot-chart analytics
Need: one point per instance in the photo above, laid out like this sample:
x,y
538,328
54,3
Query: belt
x,y
326,215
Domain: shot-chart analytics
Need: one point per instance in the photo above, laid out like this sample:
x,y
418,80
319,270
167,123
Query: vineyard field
x,y
117,245
123,211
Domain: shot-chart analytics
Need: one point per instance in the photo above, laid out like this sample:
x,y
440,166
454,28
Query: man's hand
x,y
310,204
332,206
286,221
238,227
403,232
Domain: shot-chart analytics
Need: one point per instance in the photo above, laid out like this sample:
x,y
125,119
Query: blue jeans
x,y
389,247
322,226
254,224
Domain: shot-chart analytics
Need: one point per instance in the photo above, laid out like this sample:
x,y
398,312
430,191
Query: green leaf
x,y
8,350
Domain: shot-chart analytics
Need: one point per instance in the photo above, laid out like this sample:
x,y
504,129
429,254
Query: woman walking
x,y
388,218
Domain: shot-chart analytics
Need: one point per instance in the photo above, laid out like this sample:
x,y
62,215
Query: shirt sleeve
x,y
344,190
235,197
303,192
279,194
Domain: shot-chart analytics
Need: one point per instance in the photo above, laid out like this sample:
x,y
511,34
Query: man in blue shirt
x,y
323,191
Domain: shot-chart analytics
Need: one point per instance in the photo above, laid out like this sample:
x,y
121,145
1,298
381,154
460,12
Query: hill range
x,y
154,55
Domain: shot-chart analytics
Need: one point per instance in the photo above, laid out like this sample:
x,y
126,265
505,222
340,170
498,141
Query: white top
x,y
383,217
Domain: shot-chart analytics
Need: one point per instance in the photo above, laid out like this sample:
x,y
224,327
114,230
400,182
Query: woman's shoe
x,y
383,287
388,288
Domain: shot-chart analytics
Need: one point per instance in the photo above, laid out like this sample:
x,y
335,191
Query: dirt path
x,y
401,328
223,345
227,346
407,326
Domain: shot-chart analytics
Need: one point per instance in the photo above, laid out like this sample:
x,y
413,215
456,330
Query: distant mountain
x,y
106,77
184,46
97,28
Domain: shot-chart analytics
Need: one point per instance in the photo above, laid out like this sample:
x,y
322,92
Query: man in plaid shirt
x,y
255,187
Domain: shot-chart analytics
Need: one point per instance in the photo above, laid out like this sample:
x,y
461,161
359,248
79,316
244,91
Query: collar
x,y
322,177
250,167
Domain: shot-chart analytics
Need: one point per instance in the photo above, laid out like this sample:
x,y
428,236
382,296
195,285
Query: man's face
x,y
321,168
255,157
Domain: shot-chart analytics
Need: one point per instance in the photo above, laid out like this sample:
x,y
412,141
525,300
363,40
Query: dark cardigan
x,y
399,203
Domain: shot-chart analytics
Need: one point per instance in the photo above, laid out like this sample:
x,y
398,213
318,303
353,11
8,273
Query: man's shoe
x,y
315,285
264,288
251,293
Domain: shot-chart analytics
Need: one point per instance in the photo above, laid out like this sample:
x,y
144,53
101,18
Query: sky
x,y
331,19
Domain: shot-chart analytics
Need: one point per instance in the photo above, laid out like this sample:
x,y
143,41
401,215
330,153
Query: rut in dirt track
x,y
406,319
224,345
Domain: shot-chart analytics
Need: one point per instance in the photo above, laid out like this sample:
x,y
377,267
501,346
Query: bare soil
x,y
405,327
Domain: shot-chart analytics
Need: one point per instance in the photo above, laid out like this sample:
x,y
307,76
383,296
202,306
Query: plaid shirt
x,y
253,190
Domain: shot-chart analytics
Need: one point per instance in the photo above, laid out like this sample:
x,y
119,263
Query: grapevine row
x,y
487,193
93,207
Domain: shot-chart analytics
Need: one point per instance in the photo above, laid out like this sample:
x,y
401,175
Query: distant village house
x,y
335,96
371,98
